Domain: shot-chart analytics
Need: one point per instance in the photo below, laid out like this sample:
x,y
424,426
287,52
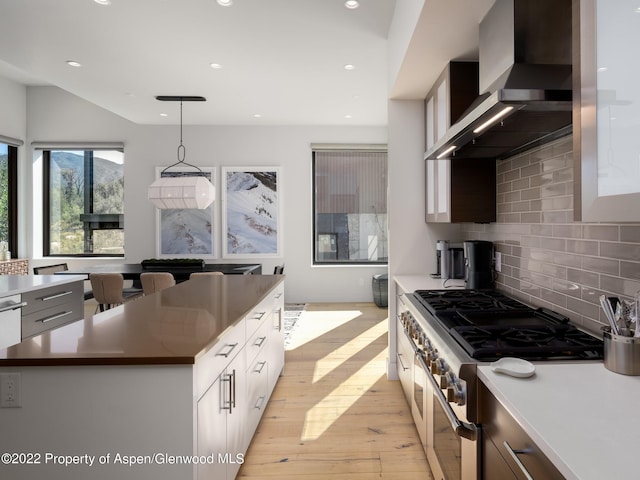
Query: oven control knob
x,y
447,379
437,366
455,393
432,355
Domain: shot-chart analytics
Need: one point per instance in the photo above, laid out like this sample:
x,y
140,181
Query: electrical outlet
x,y
10,390
498,261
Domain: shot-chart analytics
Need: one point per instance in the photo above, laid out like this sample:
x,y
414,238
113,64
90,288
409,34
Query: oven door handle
x,y
462,429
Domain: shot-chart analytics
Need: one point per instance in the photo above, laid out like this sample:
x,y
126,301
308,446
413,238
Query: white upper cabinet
x,y
606,121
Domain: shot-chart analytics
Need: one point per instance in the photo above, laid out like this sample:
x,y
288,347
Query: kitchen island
x,y
168,386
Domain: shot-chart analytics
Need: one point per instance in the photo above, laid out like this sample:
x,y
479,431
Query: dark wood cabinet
x,y
507,451
457,189
460,190
452,93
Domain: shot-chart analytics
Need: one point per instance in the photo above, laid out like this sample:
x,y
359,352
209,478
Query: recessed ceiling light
x,y
257,115
225,3
215,66
164,115
73,63
347,116
348,66
103,2
352,4
602,69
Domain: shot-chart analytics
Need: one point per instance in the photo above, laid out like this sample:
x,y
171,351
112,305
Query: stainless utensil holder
x,y
621,354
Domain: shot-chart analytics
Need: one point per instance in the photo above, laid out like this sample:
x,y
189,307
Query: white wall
x,y
55,115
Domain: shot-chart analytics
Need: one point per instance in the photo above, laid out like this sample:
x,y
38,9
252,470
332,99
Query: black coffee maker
x,y
478,259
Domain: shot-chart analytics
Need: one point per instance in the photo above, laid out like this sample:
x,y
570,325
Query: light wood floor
x,y
334,414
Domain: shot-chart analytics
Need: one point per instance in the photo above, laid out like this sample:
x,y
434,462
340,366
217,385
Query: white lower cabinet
x,y
222,423
230,410
276,337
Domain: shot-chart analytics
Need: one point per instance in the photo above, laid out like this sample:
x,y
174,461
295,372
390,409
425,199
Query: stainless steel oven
x,y
452,442
438,407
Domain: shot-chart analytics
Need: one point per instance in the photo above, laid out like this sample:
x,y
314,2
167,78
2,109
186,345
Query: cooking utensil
x,y
608,312
623,314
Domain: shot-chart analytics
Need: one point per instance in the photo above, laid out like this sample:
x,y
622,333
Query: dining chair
x,y
155,281
59,267
196,274
108,290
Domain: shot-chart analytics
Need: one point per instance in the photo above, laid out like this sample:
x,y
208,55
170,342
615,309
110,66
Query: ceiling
x,y
282,61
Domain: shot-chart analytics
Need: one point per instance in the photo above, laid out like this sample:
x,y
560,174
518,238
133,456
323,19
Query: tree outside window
x,y
84,202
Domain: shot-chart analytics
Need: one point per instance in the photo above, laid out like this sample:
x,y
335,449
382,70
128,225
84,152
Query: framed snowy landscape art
x,y
188,232
251,211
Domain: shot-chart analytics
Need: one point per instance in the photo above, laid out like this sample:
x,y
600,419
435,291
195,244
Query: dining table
x,y
181,272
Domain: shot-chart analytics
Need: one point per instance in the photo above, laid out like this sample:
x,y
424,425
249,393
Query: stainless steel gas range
x,y
443,335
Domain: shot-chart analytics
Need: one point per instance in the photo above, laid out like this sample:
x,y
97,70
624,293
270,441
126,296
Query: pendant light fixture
x,y
193,190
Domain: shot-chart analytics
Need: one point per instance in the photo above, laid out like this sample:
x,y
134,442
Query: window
x,y
350,206
83,202
9,197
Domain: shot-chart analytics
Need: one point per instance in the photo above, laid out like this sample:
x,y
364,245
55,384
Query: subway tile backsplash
x,y
548,260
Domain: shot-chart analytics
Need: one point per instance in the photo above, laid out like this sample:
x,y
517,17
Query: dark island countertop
x,y
175,326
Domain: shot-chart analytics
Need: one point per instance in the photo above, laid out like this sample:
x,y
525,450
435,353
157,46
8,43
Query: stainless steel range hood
x,y
525,74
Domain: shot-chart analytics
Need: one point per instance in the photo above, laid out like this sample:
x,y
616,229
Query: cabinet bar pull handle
x,y
233,397
229,378
55,317
12,306
259,370
514,455
260,402
226,354
56,295
401,362
259,342
258,315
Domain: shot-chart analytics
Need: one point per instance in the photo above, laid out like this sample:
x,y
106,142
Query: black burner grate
x,y
490,325
537,342
468,301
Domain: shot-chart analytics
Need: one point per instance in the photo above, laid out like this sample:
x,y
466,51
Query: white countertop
x,y
581,415
410,283
15,284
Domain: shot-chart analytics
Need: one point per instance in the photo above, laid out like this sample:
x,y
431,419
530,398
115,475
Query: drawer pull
x,y
258,316
12,306
260,402
514,456
260,342
226,354
278,295
54,317
56,295
262,365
